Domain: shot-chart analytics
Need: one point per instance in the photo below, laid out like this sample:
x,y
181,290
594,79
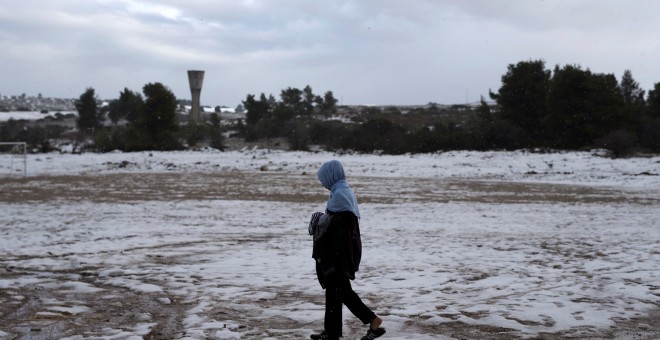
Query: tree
x,y
281,115
256,109
113,111
632,116
649,131
290,117
567,104
582,106
258,112
483,112
653,102
292,97
608,106
632,94
318,102
155,127
271,101
308,101
482,128
253,114
329,104
522,97
89,116
216,132
128,106
131,103
159,112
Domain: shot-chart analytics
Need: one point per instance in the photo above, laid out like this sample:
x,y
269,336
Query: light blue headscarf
x,y
331,174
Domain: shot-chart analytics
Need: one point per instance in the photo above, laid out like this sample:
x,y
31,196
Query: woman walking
x,y
337,251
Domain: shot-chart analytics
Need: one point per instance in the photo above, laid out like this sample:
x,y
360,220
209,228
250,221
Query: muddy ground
x,y
28,313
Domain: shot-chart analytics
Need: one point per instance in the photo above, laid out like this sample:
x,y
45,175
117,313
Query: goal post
x,y
13,158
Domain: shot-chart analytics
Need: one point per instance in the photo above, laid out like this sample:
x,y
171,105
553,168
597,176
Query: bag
x,y
318,224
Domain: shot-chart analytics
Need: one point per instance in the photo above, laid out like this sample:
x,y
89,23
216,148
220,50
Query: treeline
x,y
151,122
290,117
306,119
571,108
568,108
132,122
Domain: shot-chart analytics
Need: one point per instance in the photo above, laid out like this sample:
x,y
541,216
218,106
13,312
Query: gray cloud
x,y
373,51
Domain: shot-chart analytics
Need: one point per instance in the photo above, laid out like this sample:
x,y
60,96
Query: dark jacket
x,y
339,250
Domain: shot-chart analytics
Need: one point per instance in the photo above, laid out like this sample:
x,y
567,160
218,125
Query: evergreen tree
x,y
649,131
89,115
113,111
522,97
256,109
258,112
582,106
292,97
159,114
630,90
252,115
653,102
216,132
128,106
156,125
483,112
308,101
329,104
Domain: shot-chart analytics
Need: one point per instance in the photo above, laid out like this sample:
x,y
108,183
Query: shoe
x,y
372,334
322,336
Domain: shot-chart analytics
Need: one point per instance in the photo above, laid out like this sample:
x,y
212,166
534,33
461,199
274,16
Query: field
x,y
211,245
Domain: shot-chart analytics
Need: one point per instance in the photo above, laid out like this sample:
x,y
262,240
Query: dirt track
x,y
115,307
296,188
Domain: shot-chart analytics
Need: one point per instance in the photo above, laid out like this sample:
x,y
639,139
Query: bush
x,y
333,135
621,143
381,134
299,136
193,133
109,139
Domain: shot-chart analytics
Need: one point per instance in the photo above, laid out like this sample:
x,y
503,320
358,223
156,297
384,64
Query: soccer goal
x,y
13,159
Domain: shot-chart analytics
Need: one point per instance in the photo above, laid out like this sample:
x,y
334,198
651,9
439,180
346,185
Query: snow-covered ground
x,y
559,167
30,115
457,244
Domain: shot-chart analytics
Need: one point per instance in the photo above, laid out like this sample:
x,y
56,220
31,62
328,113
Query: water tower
x,y
196,78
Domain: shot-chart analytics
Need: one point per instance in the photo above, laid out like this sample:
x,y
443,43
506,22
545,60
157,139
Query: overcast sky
x,y
365,51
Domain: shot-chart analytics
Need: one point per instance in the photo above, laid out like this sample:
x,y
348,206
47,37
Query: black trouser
x,y
338,291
